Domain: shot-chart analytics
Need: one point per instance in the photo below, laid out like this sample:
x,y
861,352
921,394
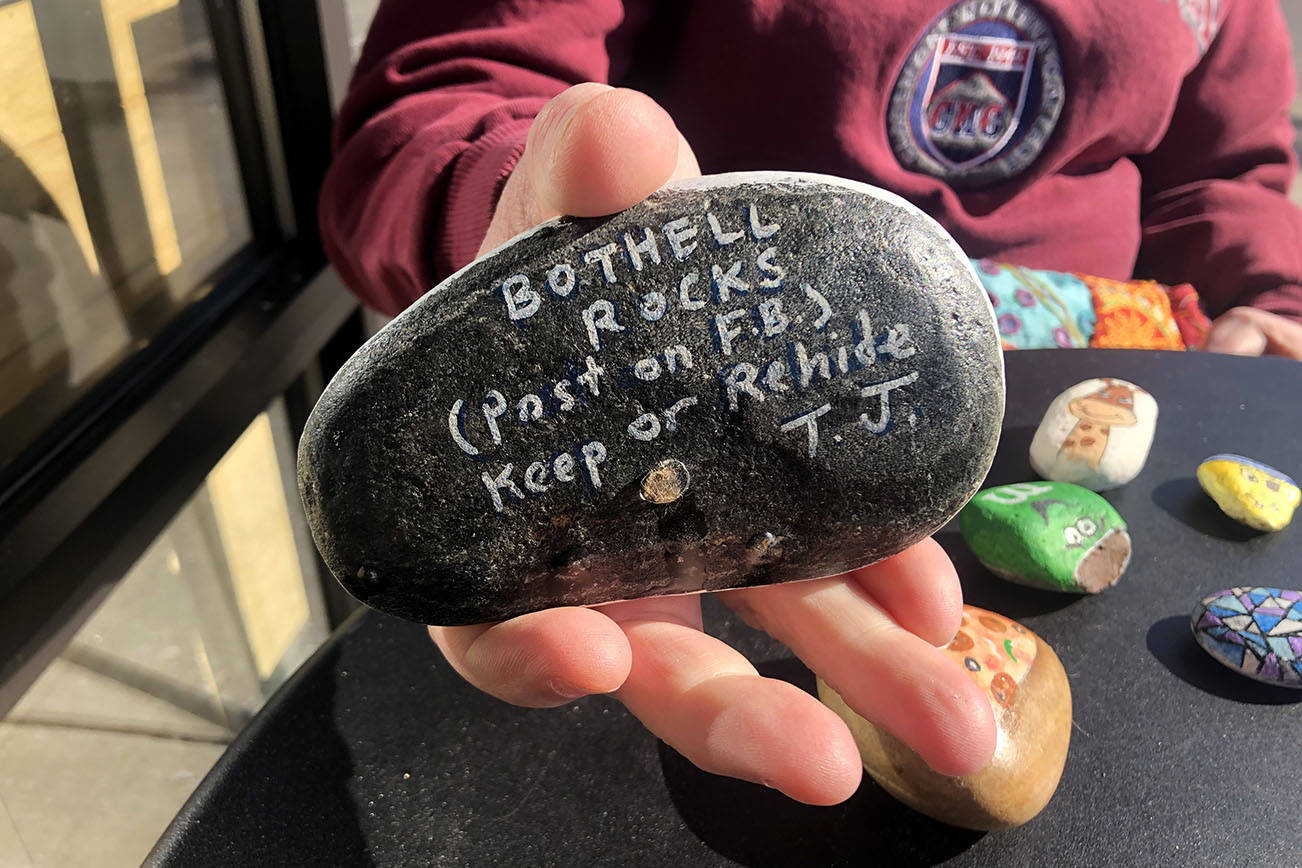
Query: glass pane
x,y
220,609
360,13
344,24
1293,15
119,191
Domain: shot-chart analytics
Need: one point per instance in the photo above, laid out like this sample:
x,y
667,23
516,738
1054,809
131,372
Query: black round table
x,y
376,753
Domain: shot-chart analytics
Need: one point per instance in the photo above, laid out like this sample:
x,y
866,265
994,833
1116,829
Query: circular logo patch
x,y
979,95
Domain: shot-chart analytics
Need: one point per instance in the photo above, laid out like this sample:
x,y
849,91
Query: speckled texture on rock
x,y
586,415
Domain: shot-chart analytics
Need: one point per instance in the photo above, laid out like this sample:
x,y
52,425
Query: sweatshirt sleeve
x,y
434,120
1216,212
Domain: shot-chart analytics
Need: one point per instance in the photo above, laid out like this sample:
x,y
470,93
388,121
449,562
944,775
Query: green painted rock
x,y
1050,535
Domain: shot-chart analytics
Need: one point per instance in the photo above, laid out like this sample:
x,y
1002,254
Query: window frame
x,y
81,502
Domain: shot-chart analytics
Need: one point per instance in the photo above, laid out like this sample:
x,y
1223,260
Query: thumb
x,y
595,150
592,150
1250,331
1236,333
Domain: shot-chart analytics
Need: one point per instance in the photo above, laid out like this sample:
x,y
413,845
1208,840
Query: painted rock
x,y
1254,631
1250,492
1028,690
745,379
1048,535
1096,434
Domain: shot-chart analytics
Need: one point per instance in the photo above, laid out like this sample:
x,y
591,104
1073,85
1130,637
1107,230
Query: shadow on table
x,y
259,776
1173,644
1013,462
985,590
1184,500
759,827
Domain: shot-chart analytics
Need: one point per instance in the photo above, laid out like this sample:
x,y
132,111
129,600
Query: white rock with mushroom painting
x,y
1096,434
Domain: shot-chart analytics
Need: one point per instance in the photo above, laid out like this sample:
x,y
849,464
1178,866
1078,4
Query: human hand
x,y
1248,331
593,150
873,634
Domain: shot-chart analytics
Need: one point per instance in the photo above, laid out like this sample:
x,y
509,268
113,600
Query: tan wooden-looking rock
x,y
1031,698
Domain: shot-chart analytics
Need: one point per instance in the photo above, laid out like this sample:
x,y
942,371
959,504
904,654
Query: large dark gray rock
x,y
746,379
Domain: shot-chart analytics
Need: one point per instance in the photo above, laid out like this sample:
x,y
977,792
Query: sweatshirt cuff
x,y
1283,300
473,189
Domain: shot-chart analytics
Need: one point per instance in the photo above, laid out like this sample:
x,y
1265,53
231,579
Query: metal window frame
x,y
81,503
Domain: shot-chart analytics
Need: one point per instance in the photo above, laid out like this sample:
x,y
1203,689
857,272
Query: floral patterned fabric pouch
x,y
1039,309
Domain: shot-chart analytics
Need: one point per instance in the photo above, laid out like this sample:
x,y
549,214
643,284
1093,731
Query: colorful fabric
x,y
1039,309
1189,316
1132,314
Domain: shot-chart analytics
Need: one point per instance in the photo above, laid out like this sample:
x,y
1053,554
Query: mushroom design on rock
x,y
1099,412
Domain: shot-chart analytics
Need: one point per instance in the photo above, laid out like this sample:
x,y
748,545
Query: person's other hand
x,y
1247,331
874,634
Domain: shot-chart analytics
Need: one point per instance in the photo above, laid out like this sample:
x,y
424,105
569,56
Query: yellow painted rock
x,y
1250,492
1028,690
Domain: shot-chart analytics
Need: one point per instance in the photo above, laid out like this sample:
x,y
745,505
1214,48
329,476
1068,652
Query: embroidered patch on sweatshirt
x,y
979,94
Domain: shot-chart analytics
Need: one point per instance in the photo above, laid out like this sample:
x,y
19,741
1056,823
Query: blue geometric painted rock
x,y
1255,631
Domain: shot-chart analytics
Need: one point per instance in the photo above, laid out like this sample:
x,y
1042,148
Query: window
x,y
120,195
222,606
1293,17
166,322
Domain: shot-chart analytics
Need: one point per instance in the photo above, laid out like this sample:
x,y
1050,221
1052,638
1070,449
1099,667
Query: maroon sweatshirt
x,y
1115,137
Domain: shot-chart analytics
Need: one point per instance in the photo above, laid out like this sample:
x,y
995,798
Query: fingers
x,y
595,150
698,694
541,659
1248,331
1237,334
592,150
686,165
897,680
684,609
1283,336
708,702
919,589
